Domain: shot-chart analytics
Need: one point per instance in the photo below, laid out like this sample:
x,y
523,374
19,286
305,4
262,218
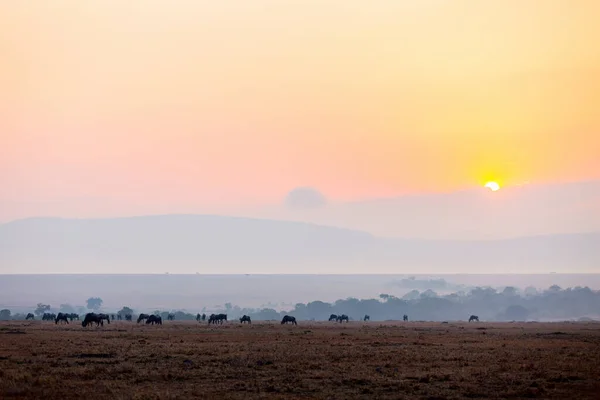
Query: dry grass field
x,y
312,360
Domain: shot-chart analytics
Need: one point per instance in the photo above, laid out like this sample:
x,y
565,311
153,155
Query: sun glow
x,y
493,186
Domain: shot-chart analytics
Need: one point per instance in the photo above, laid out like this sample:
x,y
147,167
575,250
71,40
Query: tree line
x,y
509,304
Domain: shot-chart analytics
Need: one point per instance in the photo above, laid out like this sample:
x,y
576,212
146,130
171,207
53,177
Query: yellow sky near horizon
x,y
221,104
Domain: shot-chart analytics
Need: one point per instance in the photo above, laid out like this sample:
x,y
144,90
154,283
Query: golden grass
x,y
312,360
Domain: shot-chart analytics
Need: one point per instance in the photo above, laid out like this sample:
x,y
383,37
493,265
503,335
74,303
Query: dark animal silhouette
x,y
203,317
61,317
128,317
333,317
217,318
154,319
30,316
119,317
48,317
104,317
245,318
142,317
473,318
112,317
91,318
171,317
342,318
198,317
366,318
73,316
290,319
405,318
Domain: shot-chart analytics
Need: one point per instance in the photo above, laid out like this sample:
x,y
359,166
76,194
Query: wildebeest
x,y
342,318
91,318
104,317
142,317
128,317
290,319
217,318
171,317
73,316
119,317
245,318
61,317
473,318
154,319
333,317
366,318
48,317
198,317
203,317
30,316
112,317
405,318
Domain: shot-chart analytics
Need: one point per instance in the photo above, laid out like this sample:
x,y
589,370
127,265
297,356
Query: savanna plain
x,y
313,360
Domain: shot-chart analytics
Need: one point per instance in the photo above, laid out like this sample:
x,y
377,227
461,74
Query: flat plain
x,y
314,360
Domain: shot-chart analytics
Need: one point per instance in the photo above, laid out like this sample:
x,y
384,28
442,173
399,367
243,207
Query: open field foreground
x,y
311,360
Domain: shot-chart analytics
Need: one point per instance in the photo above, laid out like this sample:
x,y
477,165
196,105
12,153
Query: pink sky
x,y
114,108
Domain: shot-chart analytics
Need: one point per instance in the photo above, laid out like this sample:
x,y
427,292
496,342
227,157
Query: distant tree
x,y
554,289
428,293
4,315
412,295
384,296
510,291
41,309
66,308
530,291
94,303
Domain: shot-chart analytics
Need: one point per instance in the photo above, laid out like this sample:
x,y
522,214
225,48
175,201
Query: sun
x,y
493,186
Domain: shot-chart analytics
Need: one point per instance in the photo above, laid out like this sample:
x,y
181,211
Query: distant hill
x,y
513,211
215,244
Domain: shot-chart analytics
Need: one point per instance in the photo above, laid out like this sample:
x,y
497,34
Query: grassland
x,y
312,360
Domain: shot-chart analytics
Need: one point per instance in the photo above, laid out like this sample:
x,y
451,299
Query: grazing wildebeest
x,y
366,318
405,318
203,317
142,317
128,317
30,316
73,316
342,318
333,317
245,318
61,317
104,317
90,318
473,318
171,317
290,319
198,317
217,318
154,319
48,317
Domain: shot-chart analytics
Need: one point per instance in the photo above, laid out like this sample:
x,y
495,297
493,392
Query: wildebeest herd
x,y
151,319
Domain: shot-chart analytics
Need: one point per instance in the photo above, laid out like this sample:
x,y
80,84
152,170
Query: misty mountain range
x,y
215,244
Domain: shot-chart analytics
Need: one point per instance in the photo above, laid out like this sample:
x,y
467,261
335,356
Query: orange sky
x,y
155,106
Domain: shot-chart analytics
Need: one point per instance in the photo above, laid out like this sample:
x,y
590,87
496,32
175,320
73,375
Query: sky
x,y
125,108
